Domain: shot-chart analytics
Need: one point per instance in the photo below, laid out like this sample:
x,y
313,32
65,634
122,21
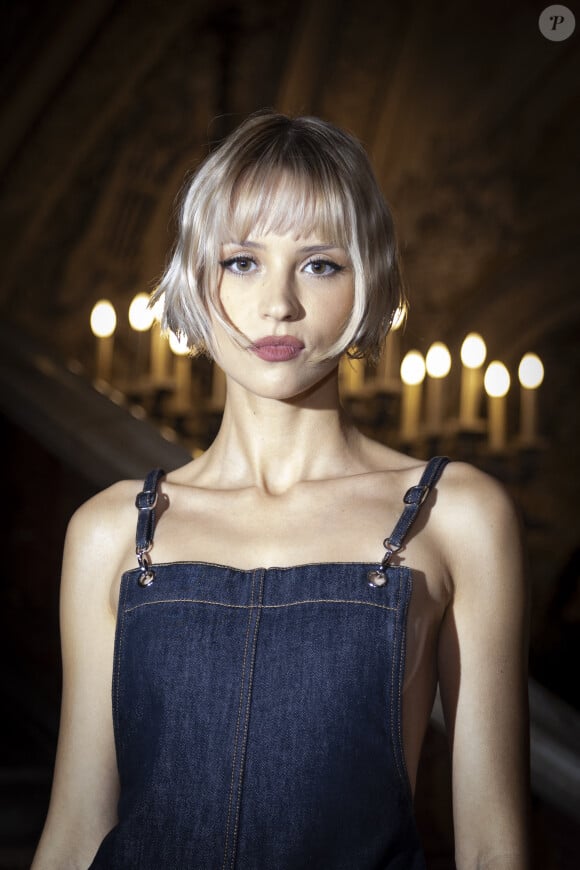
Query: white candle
x,y
473,353
497,384
496,423
412,375
103,324
438,365
140,320
531,375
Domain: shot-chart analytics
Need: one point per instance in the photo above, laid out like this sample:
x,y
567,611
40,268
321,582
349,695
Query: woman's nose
x,y
279,300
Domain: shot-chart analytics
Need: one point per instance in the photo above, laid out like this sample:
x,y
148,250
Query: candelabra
x,y
406,400
420,411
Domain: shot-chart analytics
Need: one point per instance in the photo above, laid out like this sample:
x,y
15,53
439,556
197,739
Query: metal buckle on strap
x,y
147,574
416,495
146,500
378,577
391,549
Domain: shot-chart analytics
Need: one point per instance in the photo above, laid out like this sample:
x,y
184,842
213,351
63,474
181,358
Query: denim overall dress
x,y
257,713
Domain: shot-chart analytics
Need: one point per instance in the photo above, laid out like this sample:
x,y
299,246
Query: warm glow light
x,y
473,351
157,310
438,360
496,380
140,315
178,344
413,368
399,318
103,319
531,371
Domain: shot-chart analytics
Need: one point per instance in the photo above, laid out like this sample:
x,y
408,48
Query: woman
x,y
273,664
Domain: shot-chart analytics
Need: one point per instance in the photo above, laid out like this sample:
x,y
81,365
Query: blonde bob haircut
x,y
276,174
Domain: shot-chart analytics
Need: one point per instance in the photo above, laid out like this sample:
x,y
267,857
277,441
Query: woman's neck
x,y
272,444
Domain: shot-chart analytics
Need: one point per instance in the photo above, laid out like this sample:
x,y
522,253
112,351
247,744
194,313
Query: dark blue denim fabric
x,y
258,721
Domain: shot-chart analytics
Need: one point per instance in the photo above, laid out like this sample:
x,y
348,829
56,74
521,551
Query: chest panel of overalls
x,y
259,711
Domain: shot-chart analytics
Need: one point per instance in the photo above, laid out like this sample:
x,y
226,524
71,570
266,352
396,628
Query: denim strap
x,y
145,504
413,500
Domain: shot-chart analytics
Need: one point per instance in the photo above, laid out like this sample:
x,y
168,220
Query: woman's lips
x,y
277,348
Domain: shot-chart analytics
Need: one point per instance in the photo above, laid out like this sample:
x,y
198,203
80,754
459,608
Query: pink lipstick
x,y
277,348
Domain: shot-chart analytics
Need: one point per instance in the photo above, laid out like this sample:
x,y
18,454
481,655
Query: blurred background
x,y
471,117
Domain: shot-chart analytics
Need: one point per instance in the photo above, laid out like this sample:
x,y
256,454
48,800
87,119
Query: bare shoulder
x,y
100,539
111,509
470,493
477,523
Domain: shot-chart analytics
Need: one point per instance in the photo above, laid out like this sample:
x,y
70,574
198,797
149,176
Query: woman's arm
x,y
482,663
85,786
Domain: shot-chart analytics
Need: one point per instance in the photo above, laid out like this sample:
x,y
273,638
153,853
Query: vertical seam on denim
x,y
247,719
117,665
395,686
398,697
236,733
402,660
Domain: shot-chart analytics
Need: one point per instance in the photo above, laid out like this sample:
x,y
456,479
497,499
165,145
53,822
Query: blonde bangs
x,y
280,201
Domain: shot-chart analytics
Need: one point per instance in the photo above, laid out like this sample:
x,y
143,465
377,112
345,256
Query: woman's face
x,y
290,297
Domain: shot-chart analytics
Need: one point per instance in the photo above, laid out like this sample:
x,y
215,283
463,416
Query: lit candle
x,y
531,375
438,365
182,399
497,384
473,353
141,319
159,347
351,374
103,324
412,375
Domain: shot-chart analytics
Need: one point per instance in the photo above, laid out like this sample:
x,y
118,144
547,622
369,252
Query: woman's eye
x,y
323,267
239,265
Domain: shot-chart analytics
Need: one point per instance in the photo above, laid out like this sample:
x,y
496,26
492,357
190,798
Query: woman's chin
x,y
285,388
